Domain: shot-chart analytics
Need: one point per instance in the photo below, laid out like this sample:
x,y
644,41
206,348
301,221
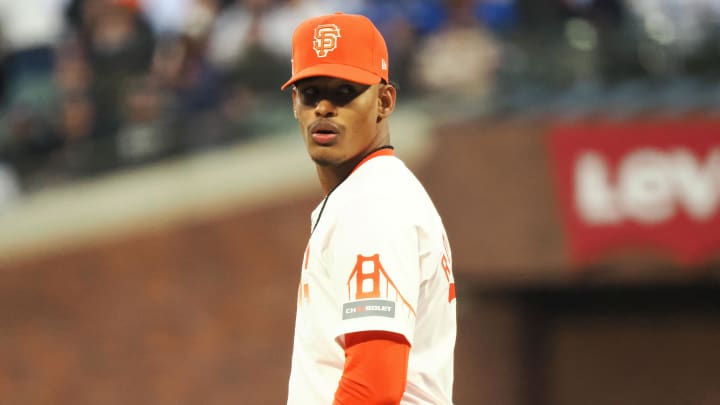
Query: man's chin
x,y
322,161
322,158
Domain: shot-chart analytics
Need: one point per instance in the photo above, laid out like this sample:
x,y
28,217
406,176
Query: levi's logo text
x,y
326,37
359,309
653,186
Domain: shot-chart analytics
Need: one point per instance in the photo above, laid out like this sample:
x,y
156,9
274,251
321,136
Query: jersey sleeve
x,y
374,264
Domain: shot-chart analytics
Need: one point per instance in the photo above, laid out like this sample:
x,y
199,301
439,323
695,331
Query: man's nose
x,y
325,108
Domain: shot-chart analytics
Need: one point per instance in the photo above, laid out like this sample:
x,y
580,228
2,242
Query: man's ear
x,y
387,96
294,99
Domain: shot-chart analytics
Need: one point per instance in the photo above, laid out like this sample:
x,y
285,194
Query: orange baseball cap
x,y
347,46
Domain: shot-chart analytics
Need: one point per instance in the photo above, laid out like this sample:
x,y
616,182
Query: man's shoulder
x,y
388,171
386,185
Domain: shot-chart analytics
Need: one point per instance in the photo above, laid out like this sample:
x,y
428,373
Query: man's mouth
x,y
324,133
322,138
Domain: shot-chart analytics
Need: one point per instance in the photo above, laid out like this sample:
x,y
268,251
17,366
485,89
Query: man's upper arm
x,y
375,370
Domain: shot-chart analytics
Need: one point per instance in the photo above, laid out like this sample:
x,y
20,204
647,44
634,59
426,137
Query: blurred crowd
x,y
88,86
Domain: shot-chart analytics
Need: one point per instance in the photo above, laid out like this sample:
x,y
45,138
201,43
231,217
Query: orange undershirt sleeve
x,y
375,371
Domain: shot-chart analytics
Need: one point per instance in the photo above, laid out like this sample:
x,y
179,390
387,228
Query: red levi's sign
x,y
632,185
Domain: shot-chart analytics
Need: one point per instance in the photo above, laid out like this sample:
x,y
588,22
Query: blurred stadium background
x,y
154,195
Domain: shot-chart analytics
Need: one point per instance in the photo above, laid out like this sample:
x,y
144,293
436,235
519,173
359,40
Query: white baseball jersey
x,y
378,259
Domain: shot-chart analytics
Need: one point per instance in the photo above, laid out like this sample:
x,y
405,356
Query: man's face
x,y
338,119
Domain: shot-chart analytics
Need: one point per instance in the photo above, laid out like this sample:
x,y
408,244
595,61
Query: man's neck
x,y
331,176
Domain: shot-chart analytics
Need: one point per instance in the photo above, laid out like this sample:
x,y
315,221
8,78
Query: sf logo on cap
x,y
326,36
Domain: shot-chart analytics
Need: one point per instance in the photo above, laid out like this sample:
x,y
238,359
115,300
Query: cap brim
x,y
344,72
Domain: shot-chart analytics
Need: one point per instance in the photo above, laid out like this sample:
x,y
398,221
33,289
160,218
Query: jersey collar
x,y
382,151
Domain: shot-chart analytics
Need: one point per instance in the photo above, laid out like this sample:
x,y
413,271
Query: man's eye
x,y
309,92
309,96
347,90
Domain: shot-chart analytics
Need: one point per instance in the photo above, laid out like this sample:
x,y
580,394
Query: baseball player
x,y
376,304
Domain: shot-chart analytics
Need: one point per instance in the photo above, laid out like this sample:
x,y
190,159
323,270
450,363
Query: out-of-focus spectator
x,y
30,29
72,72
74,129
200,18
166,17
145,133
461,57
76,121
66,150
235,32
500,16
424,16
30,140
404,23
238,50
182,69
119,45
266,24
181,64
